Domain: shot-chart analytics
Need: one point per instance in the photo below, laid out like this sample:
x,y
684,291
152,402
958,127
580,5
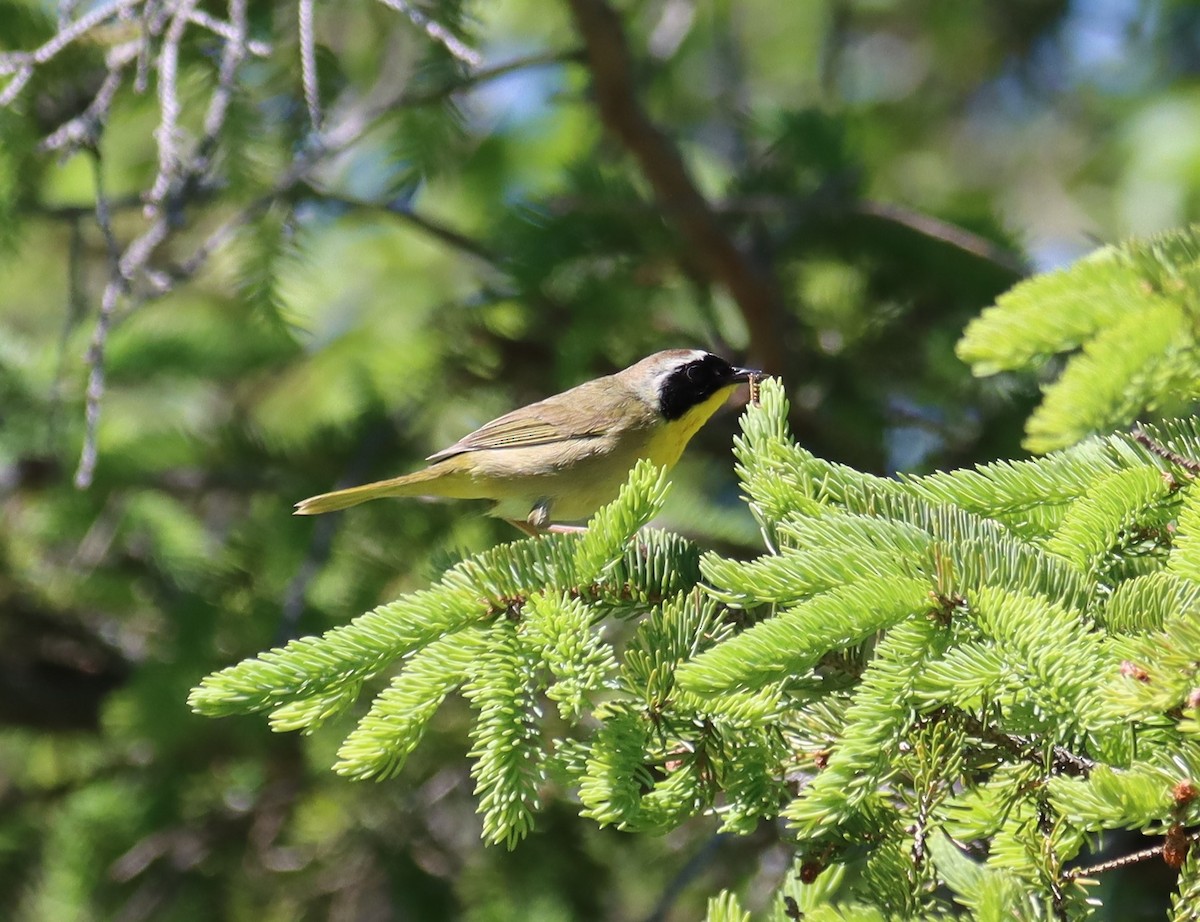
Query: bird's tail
x,y
415,484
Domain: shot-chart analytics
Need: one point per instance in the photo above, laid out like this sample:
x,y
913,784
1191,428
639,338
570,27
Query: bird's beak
x,y
745,374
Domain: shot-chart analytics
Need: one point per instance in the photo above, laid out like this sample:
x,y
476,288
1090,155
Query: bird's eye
x,y
709,369
692,383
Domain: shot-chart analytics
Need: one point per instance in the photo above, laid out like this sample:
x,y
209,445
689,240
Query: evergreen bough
x,y
930,673
1131,310
943,688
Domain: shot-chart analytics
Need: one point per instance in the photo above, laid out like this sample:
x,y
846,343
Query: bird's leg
x,y
538,522
539,515
549,529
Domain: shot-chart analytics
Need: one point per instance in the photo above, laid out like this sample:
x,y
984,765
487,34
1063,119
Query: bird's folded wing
x,y
538,424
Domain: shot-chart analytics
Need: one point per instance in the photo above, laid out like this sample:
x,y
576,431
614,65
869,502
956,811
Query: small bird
x,y
562,458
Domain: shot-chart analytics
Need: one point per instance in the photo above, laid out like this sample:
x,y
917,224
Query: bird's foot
x,y
533,531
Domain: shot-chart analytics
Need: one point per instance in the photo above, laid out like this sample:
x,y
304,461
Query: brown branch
x,y
782,205
1028,748
1122,861
750,284
948,233
437,230
1143,438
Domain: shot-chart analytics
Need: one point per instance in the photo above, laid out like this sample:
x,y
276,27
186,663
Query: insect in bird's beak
x,y
751,376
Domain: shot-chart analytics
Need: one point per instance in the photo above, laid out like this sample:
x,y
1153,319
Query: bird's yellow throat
x,y
668,444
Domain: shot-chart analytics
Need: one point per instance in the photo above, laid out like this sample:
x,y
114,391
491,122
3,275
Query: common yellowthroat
x,y
562,458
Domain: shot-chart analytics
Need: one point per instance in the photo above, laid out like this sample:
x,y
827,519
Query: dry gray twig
x,y
436,31
231,31
308,63
167,132
113,289
21,64
84,129
236,46
185,175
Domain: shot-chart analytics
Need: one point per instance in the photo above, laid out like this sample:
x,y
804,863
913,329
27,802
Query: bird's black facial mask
x,y
693,383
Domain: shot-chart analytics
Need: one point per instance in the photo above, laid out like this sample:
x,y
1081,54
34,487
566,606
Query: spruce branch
x,y
311,678
617,771
724,907
1185,556
790,643
609,531
560,630
1006,655
1124,315
1143,361
384,738
1185,902
509,755
882,712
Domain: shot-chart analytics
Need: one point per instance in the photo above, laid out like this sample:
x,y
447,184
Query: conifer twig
x,y
84,129
308,63
1122,861
936,229
230,31
20,65
1027,747
436,31
236,46
1143,438
335,139
176,176
116,285
182,175
921,829
409,98
434,228
167,132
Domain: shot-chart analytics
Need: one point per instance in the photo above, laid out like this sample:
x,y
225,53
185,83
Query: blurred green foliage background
x,y
481,240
